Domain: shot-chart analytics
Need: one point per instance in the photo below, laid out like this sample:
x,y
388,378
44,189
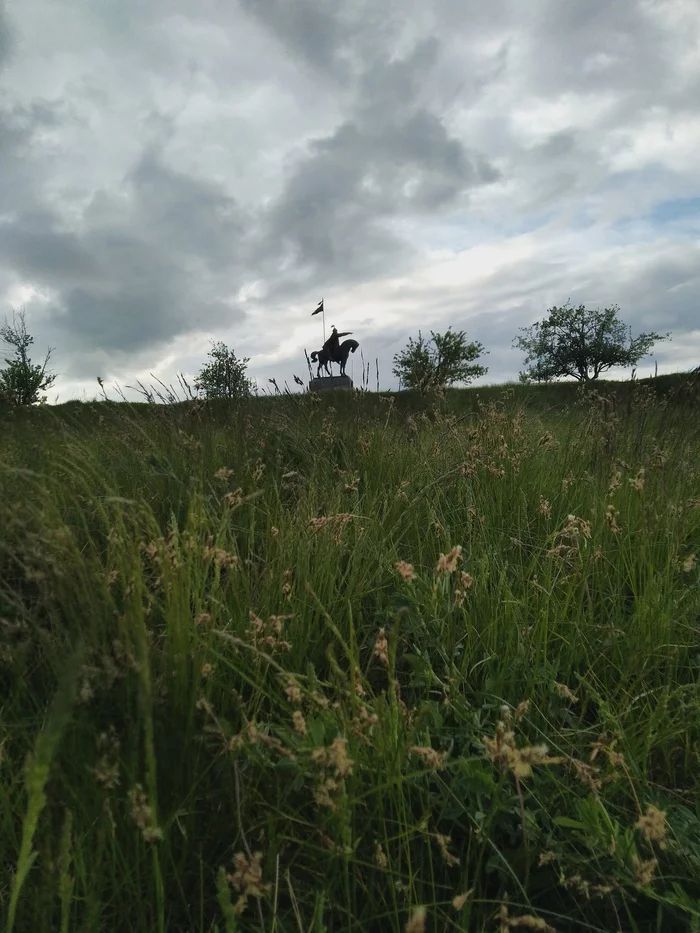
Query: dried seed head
x,y
432,758
530,922
335,757
417,921
611,514
405,570
564,692
443,844
142,815
293,690
287,584
460,900
644,870
447,563
380,858
235,498
381,648
322,794
637,482
465,582
615,482
653,825
247,879
299,722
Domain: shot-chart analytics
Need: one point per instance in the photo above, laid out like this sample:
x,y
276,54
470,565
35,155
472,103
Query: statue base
x,y
330,382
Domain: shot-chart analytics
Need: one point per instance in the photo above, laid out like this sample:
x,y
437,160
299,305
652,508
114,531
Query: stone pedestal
x,y
330,382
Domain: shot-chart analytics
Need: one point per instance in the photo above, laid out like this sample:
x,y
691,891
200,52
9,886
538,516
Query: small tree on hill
x,y
439,362
22,382
580,343
224,376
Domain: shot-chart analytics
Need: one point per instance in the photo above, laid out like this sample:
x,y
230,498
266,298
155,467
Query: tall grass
x,y
359,664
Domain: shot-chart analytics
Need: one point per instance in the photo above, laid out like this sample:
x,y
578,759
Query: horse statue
x,y
323,357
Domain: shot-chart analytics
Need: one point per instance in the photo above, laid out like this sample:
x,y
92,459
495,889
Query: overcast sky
x,y
174,172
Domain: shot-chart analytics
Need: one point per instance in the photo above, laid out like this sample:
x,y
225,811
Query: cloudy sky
x,y
173,173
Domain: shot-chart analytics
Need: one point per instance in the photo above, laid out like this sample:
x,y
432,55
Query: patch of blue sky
x,y
463,231
651,199
681,216
678,210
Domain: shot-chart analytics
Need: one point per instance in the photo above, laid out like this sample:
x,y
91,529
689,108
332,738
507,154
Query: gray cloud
x,y
6,43
392,158
147,261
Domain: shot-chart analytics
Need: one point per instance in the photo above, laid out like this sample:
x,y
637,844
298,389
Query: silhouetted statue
x,y
323,357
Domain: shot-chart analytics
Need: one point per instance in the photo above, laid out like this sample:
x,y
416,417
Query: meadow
x,y
364,662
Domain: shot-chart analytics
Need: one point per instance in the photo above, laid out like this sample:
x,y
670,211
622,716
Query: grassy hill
x,y
361,662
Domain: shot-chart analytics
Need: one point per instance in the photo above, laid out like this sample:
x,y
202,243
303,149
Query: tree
x,y
448,360
580,343
22,382
224,376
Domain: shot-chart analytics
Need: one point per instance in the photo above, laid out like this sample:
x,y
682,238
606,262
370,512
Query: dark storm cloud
x,y
596,45
148,261
310,29
334,216
392,159
21,126
5,36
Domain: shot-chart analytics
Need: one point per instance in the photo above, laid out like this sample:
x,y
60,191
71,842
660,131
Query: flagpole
x,y
324,321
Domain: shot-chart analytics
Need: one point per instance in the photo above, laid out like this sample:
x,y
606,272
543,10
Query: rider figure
x,y
332,345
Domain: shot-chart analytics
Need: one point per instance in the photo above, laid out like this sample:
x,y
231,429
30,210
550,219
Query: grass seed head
x,y
405,570
644,870
460,900
381,648
564,692
293,690
142,815
433,758
444,844
447,563
299,722
637,482
246,878
417,921
334,757
611,514
653,825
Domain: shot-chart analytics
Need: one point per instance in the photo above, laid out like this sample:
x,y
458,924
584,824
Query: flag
x,y
319,309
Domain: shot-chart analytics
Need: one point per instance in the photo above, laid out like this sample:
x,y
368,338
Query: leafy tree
x,y
22,382
441,361
580,343
224,375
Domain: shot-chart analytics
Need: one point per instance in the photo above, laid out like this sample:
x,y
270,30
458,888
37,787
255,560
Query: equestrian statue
x,y
333,351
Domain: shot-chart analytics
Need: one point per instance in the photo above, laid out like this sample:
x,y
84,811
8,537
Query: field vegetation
x,y
363,662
